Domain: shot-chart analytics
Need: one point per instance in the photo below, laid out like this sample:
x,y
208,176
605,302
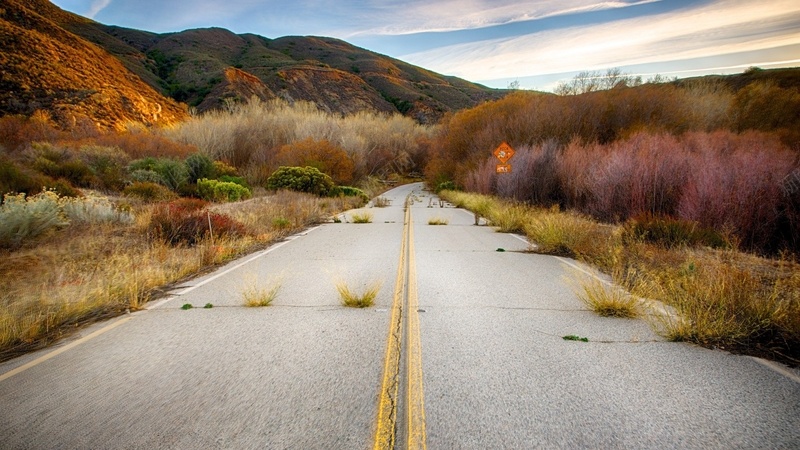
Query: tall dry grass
x,y
722,298
63,280
250,136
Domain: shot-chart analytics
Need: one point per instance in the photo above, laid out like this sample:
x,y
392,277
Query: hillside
x,y
193,67
46,67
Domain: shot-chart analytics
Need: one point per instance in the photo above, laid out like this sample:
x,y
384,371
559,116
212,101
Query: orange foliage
x,y
323,155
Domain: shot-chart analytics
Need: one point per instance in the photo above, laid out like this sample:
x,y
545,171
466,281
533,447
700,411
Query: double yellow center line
x,y
403,350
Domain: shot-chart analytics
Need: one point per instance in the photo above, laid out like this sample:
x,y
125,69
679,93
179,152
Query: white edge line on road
x,y
774,366
231,269
575,266
778,368
63,349
119,322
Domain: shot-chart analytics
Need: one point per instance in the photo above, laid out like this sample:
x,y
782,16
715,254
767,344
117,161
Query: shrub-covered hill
x,y
193,66
45,67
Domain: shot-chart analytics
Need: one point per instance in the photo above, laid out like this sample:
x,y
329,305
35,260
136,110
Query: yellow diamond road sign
x,y
504,152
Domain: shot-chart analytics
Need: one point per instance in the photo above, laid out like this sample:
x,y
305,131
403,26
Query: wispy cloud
x,y
422,16
719,27
96,7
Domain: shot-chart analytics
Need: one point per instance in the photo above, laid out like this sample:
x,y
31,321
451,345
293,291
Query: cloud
x,y
96,7
719,27
422,16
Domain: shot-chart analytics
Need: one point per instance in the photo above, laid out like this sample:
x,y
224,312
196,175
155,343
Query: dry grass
x,y
607,301
353,299
361,217
257,296
75,276
381,202
438,221
721,298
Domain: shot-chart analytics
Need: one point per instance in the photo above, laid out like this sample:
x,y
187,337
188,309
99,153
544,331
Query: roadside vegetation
x,y
95,224
723,297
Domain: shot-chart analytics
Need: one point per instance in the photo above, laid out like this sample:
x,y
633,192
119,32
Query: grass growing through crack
x,y
254,296
438,221
607,301
353,299
381,202
362,217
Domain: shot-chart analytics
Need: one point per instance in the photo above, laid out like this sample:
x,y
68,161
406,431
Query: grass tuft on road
x,y
362,217
607,301
353,299
438,221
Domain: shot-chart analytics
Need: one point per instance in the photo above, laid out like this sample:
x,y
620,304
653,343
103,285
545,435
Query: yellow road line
x,y
385,433
404,313
415,404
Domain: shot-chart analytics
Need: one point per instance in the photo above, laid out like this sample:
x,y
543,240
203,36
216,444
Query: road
x,y
463,350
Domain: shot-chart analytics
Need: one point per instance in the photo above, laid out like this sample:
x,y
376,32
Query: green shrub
x,y
232,179
61,163
16,179
349,191
199,166
23,218
148,191
172,174
107,164
446,186
222,169
221,191
302,179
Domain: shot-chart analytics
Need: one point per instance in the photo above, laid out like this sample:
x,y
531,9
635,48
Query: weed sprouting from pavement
x,y
353,299
438,221
187,306
573,337
381,202
256,296
363,217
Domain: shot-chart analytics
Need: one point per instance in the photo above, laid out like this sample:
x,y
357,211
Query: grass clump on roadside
x,y
362,217
438,221
607,301
118,259
353,299
714,294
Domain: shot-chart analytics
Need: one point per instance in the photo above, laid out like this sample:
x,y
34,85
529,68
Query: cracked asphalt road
x,y
306,372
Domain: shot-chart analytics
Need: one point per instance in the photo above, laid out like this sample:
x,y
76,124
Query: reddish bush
x,y
185,221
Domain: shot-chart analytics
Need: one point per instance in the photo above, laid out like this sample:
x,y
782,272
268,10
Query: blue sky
x,y
536,43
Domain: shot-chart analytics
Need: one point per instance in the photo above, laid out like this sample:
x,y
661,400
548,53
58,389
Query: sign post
x,y
503,152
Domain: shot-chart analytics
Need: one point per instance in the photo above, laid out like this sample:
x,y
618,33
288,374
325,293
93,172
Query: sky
x,y
534,44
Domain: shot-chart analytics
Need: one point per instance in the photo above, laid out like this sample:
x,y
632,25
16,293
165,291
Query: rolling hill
x,y
76,67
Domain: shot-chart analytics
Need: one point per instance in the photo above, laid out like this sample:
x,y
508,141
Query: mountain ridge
x,y
208,68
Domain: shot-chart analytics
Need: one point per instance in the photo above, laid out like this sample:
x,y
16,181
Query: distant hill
x,y
78,69
43,66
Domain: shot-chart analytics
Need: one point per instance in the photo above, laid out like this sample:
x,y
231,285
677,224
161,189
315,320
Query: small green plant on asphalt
x,y
607,301
364,217
355,300
572,337
186,306
438,221
208,306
